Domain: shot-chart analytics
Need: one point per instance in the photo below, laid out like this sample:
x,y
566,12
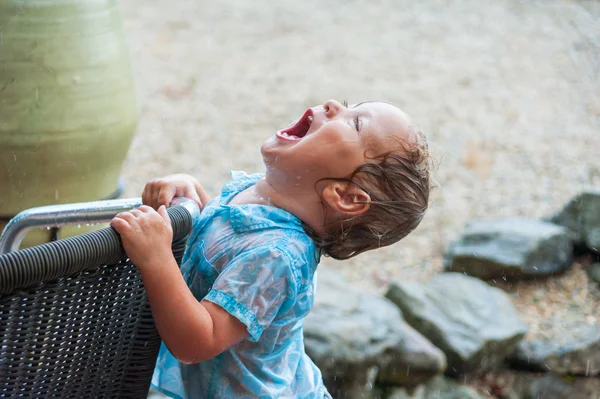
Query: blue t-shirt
x,y
257,263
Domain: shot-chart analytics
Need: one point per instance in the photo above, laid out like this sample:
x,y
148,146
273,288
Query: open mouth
x,y
299,129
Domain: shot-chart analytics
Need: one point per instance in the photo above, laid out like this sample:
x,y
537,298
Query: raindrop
x,y
587,368
78,226
47,227
535,267
87,225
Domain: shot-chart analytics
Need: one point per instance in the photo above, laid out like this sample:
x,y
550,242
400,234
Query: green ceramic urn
x,y
68,109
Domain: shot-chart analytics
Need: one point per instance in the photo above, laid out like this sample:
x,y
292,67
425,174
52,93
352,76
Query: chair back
x,y
75,320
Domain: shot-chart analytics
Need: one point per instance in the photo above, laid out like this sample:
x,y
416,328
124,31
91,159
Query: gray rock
x,y
437,388
510,248
582,217
519,385
414,361
575,352
594,272
353,336
475,325
548,387
555,387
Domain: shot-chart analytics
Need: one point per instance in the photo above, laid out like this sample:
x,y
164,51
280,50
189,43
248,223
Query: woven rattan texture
x,y
87,331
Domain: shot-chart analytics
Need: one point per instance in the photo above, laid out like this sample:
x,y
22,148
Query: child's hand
x,y
146,235
161,191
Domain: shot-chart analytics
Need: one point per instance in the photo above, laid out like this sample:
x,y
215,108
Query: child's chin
x,y
269,152
268,144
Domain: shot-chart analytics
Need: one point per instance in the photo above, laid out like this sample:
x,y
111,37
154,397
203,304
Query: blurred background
x,y
508,93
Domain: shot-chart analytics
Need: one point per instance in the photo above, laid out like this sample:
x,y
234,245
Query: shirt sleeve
x,y
254,287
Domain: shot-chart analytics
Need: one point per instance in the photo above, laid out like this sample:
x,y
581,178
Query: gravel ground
x,y
507,91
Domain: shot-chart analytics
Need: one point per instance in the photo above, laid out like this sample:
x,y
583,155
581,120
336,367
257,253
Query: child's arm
x,y
193,331
161,191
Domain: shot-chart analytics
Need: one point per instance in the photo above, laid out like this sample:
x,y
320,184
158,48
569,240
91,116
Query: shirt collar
x,y
252,217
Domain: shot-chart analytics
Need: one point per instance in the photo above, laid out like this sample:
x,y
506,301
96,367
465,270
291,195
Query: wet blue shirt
x,y
257,263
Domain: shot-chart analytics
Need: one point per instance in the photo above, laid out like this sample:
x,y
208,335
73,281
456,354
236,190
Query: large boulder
x,y
437,388
582,217
510,249
575,352
355,337
475,325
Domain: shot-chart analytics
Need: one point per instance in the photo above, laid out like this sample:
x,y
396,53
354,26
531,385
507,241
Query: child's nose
x,y
332,108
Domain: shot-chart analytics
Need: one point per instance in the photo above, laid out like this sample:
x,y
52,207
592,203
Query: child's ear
x,y
346,198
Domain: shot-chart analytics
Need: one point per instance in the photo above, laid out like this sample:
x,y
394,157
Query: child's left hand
x,y
146,235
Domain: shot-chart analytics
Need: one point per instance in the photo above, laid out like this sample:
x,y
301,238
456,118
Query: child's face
x,y
333,140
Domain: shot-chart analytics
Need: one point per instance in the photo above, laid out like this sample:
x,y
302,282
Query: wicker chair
x,y
74,318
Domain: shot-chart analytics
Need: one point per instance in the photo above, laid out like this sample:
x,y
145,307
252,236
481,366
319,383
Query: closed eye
x,y
357,123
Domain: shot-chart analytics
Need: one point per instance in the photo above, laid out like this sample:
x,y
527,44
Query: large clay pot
x,y
67,104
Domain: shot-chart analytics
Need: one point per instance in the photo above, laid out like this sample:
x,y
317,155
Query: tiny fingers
x,y
147,195
190,192
125,216
150,194
162,211
165,196
119,224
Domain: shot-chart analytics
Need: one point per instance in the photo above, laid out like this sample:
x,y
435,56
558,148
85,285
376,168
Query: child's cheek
x,y
343,160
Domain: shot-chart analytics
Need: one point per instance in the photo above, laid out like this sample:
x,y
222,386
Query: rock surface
x,y
582,217
517,385
437,388
595,272
510,248
475,325
352,336
576,353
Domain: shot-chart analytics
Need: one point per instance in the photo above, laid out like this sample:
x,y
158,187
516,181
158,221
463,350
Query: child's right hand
x,y
146,236
163,190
